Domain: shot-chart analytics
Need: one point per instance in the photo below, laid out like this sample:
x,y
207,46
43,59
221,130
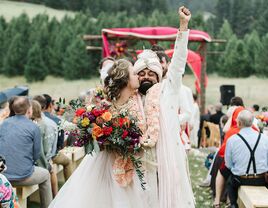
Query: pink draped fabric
x,y
194,60
150,33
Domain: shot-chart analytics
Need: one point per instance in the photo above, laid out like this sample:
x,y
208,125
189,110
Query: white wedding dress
x,y
92,186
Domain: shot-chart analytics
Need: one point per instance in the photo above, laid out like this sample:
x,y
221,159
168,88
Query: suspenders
x,y
252,152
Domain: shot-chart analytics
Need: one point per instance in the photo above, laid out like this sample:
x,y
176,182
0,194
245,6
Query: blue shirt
x,y
237,154
20,144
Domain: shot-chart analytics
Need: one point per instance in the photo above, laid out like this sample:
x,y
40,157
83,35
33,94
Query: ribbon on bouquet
x,y
123,171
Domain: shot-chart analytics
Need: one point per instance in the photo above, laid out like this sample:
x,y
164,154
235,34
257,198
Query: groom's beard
x,y
144,86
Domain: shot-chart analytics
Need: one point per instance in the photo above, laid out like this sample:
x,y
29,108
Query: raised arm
x,y
178,61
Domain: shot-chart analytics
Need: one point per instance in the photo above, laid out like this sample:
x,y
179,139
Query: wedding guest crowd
x,y
30,144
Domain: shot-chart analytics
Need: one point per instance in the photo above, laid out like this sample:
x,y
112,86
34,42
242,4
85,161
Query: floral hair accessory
x,y
110,81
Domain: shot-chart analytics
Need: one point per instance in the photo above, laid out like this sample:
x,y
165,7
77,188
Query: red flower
x,y
125,133
123,121
80,111
107,130
96,112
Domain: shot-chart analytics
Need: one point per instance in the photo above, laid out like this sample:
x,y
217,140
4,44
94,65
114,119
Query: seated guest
x,y
215,118
51,128
230,128
20,144
60,158
4,111
246,156
204,117
45,160
255,110
10,103
7,196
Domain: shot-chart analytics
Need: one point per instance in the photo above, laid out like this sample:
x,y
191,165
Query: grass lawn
x,y
10,9
251,89
198,173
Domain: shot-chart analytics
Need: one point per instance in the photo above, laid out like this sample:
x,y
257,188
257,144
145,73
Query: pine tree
x,y
19,25
225,64
40,35
242,15
3,23
14,59
15,45
261,17
225,33
253,47
76,61
236,63
35,69
223,11
261,59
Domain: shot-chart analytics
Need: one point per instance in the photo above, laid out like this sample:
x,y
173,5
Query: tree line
x,y
41,46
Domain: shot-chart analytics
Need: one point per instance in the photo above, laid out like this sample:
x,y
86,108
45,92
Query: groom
x,y
165,159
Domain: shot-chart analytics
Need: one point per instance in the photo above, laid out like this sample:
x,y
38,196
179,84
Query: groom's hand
x,y
185,16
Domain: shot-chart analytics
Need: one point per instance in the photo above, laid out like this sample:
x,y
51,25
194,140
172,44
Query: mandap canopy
x,y
154,34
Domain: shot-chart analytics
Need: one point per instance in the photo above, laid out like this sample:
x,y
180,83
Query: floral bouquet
x,y
263,118
98,129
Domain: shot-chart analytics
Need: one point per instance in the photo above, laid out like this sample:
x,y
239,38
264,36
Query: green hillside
x,y
10,9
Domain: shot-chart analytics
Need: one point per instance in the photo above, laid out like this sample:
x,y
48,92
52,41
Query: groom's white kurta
x,y
174,188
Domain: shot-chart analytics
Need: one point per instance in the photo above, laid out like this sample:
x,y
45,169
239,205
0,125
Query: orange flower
x,y
127,121
107,116
97,131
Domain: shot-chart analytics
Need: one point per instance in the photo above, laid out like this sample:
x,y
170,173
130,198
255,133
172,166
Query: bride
x,y
93,184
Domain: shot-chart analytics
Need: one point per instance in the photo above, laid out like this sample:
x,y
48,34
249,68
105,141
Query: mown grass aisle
x,y
198,173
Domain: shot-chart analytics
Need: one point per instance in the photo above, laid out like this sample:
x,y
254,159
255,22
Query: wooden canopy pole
x,y
203,52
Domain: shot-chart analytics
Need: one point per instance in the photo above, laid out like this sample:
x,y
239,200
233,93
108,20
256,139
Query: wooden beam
x,y
92,37
215,52
218,41
94,48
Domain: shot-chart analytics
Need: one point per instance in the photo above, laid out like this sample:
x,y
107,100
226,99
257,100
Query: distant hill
x,y
10,9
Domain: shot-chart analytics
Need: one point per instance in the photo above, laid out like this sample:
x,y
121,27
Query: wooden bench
x,y
23,192
76,154
253,197
214,137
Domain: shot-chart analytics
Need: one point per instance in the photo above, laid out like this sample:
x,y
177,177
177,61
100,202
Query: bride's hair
x,y
117,79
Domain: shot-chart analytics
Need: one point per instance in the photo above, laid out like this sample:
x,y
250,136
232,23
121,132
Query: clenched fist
x,y
185,16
